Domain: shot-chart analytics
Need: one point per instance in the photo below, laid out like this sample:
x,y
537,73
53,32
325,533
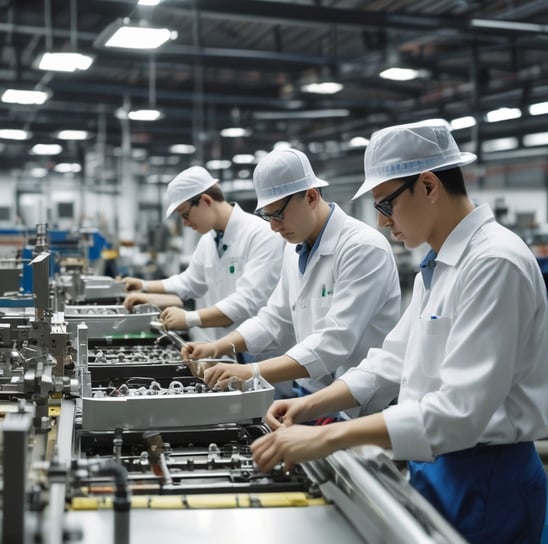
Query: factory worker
x,y
234,267
338,293
468,354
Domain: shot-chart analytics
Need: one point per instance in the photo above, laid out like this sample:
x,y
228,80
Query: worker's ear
x,y
312,196
206,199
431,185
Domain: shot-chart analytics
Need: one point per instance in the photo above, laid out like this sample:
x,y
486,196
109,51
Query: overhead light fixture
x,y
125,34
218,165
148,2
148,113
235,132
463,122
73,135
46,149
502,114
68,168
538,138
25,97
145,114
325,87
499,24
64,62
400,74
14,134
243,158
183,149
499,144
540,108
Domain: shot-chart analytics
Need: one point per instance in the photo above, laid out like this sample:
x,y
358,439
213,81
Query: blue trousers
x,y
490,494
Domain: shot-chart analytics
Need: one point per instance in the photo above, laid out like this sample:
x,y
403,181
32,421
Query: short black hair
x,y
451,179
215,192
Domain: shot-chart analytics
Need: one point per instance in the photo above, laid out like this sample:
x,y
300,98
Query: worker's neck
x,y
454,210
224,211
322,215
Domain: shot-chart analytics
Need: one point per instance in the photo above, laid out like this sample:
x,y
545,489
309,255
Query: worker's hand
x,y
198,350
132,284
174,318
218,376
291,445
133,299
286,412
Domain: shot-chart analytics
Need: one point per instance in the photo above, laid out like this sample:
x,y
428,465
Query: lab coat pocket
x,y
318,310
432,340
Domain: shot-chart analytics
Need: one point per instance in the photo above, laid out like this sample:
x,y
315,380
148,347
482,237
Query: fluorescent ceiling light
x,y
326,87
46,149
502,114
359,141
183,149
508,25
133,36
26,97
540,108
235,132
148,2
400,74
539,138
218,165
144,114
73,134
499,144
14,134
463,122
67,167
243,159
306,114
64,62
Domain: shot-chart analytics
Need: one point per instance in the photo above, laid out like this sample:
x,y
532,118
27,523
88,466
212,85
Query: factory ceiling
x,y
243,63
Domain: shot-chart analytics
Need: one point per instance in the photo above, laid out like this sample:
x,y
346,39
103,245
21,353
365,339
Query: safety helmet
x,y
187,184
281,173
404,150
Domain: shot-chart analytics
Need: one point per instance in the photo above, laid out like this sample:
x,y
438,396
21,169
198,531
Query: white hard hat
x,y
281,173
404,150
187,184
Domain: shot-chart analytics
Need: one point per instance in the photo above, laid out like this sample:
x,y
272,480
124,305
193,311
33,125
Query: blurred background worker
x,y
468,356
338,294
234,267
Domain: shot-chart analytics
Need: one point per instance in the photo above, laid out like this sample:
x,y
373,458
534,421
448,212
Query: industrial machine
x,y
108,437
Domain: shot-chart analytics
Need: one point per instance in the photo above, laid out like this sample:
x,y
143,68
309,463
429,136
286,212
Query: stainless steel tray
x,y
109,320
175,411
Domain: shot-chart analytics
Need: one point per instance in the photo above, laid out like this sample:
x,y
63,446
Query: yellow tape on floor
x,y
214,500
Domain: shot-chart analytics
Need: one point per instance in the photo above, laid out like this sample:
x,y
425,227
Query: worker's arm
x,y
177,318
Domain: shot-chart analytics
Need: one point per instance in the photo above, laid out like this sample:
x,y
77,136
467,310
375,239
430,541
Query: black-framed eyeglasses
x,y
193,202
278,214
384,206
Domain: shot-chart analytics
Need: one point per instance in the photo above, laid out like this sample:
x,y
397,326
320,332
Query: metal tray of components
x,y
109,320
175,411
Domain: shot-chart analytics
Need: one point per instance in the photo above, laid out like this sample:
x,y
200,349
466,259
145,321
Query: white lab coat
x,y
345,302
240,281
470,354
